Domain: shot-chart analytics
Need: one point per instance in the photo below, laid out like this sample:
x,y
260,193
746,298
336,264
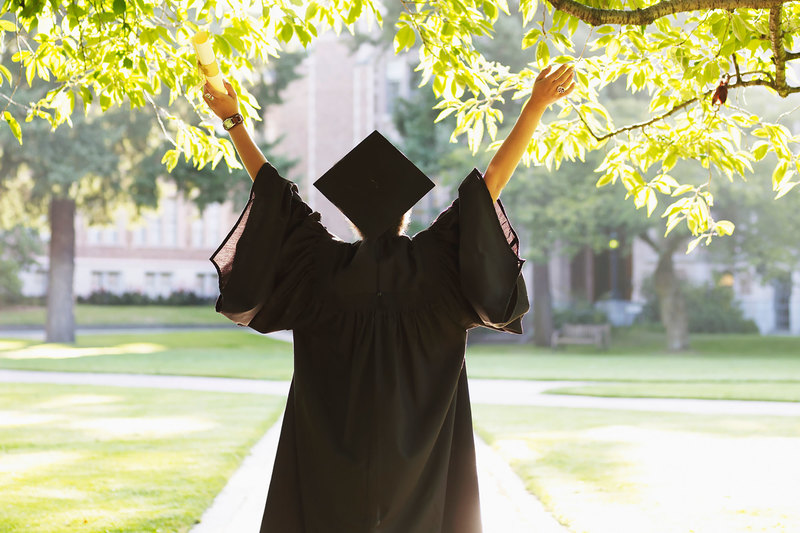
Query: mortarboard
x,y
374,185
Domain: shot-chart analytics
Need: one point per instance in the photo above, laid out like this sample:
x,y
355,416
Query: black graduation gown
x,y
377,434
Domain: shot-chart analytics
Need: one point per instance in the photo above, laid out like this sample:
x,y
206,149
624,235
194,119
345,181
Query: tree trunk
x,y
60,298
671,300
542,305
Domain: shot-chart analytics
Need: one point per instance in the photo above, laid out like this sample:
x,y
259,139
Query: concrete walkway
x,y
482,391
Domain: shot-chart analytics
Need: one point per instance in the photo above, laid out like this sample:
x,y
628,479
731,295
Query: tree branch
x,y
778,51
643,17
646,238
639,125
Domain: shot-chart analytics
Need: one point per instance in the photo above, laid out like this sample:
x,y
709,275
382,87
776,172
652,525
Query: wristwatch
x,y
232,121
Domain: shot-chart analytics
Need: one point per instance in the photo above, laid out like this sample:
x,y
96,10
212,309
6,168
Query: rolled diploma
x,y
208,62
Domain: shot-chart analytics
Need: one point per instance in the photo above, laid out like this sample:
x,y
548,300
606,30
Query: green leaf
x,y
286,33
119,7
693,244
613,48
4,72
761,151
542,54
779,174
14,125
670,160
404,38
604,180
30,72
724,227
490,9
170,159
785,187
672,224
531,38
683,189
7,25
652,201
445,113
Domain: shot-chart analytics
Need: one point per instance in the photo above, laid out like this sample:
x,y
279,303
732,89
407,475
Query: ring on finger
x,y
560,89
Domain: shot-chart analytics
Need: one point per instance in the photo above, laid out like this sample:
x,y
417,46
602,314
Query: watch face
x,y
230,122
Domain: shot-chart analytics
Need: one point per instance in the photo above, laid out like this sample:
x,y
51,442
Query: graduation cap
x,y
374,185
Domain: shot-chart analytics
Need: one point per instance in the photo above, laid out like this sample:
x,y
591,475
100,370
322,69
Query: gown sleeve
x,y
489,266
265,264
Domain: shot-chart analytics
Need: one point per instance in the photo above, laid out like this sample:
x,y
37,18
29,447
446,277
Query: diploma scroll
x,y
208,62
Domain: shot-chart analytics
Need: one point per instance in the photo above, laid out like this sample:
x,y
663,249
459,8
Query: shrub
x,y
180,297
579,313
711,309
19,247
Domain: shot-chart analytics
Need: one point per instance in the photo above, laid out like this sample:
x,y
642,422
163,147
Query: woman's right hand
x,y
221,104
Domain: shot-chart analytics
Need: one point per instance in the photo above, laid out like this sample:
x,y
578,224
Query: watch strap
x,y
232,121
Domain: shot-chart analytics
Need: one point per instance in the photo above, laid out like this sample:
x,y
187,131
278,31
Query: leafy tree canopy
x,y
686,58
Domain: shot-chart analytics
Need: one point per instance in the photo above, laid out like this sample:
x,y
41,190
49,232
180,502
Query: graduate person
x,y
377,434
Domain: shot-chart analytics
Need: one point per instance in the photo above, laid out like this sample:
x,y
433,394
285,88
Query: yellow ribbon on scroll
x,y
208,61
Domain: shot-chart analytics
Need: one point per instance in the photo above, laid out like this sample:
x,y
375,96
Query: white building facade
x,y
341,96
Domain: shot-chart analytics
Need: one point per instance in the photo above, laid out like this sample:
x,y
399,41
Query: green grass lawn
x,y
605,471
639,356
723,366
225,353
112,460
768,391
104,315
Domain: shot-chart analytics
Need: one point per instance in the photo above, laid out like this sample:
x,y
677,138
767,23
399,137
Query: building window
x,y
139,235
211,222
40,281
165,283
197,233
150,283
154,230
110,236
205,228
169,213
157,284
106,281
93,236
206,284
97,281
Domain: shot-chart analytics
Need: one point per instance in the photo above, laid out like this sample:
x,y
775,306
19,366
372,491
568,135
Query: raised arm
x,y
225,106
545,92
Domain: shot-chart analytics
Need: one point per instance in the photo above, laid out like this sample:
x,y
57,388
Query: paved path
x,y
482,391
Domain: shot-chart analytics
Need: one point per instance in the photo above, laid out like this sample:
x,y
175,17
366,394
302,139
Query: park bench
x,y
597,334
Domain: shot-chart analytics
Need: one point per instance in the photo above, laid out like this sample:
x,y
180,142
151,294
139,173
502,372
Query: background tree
x,y
82,165
101,162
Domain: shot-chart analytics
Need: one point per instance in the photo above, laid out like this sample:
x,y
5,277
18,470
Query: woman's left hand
x,y
551,86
